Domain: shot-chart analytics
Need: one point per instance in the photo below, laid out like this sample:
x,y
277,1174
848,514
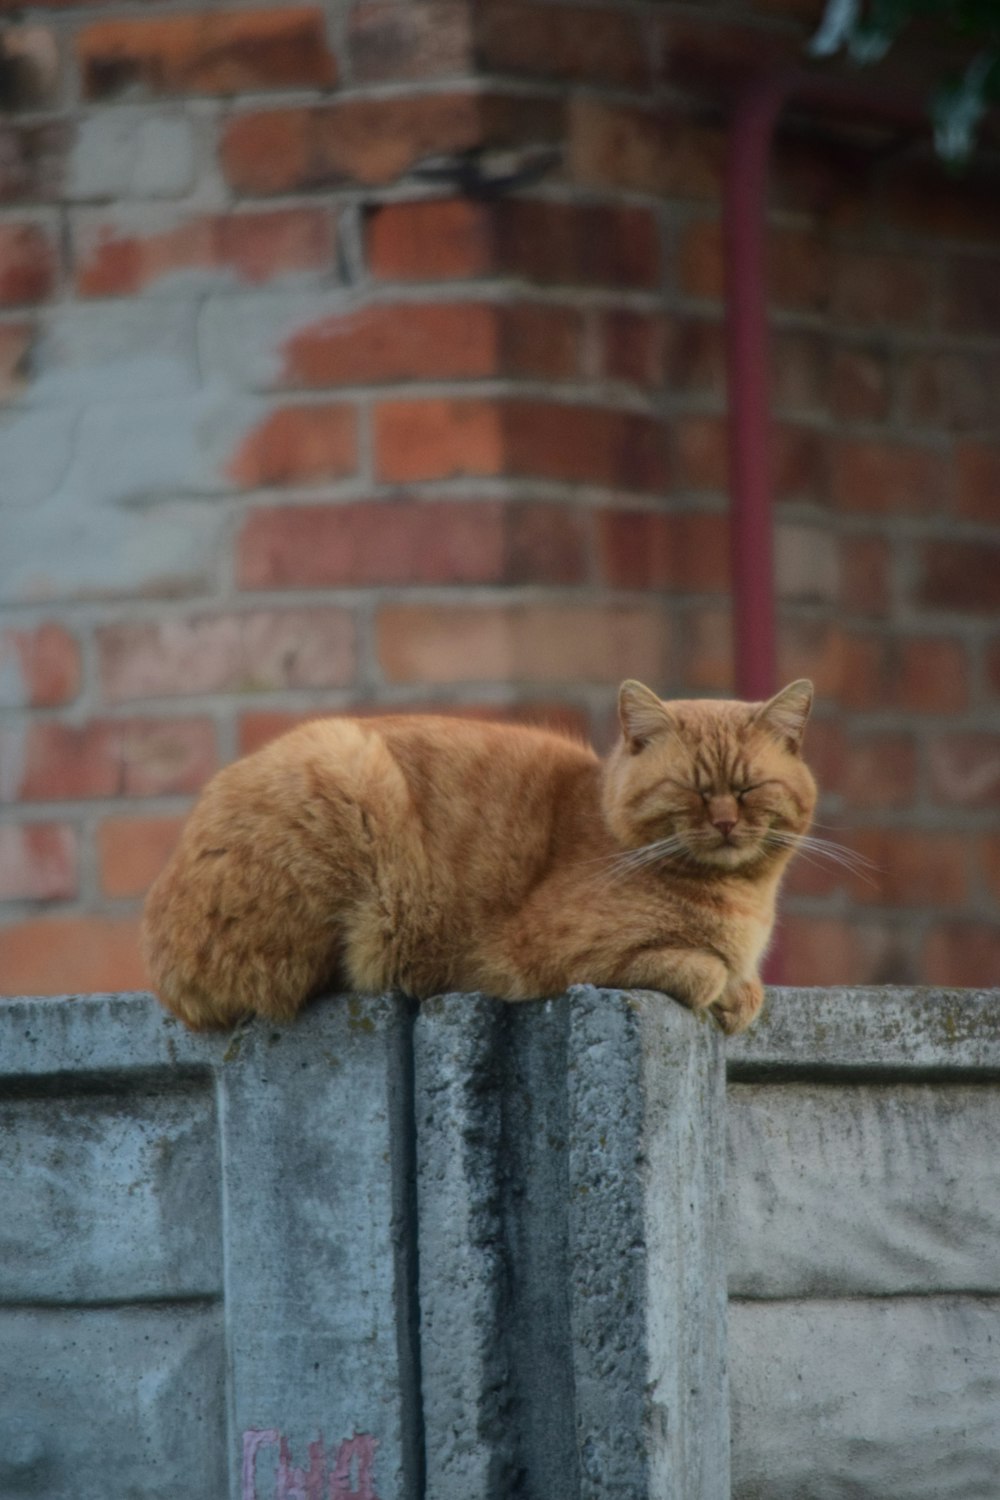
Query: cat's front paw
x,y
738,1004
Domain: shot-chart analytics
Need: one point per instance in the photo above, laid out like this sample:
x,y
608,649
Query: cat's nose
x,y
724,825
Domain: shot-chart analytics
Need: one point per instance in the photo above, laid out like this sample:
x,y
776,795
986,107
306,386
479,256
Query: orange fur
x,y
426,854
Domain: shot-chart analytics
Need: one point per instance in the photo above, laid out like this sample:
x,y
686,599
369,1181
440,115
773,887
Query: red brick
x,y
950,391
547,243
297,445
425,39
865,575
72,956
799,463
521,643
700,265
972,296
929,200
963,955
133,851
37,862
880,771
819,951
910,868
988,852
800,366
978,481
585,445
932,676
592,45
390,342
697,356
420,542
33,162
960,576
721,54
39,667
372,141
993,666
798,270
51,761
250,651
633,346
438,438
886,478
16,340
28,264
208,52
645,150
876,288
705,656
860,389
687,553
255,247
701,450
437,239
965,769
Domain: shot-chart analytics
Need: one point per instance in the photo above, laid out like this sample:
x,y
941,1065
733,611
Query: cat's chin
x,y
727,856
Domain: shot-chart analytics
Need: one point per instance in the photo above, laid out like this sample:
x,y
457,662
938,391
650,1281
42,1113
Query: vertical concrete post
x,y
316,1133
572,1283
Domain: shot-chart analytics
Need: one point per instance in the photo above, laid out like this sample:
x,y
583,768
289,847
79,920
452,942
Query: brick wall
x,y
293,423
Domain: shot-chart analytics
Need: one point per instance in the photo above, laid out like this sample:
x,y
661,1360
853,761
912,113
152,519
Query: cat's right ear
x,y
641,714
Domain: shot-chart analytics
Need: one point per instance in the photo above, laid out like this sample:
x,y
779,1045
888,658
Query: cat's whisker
x,y
820,849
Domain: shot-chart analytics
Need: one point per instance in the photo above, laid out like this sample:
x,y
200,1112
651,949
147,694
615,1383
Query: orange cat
x,y
431,854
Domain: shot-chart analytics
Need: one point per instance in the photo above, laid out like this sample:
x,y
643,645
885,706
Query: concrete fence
x,y
484,1251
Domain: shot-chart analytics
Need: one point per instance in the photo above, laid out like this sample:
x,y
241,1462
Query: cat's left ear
x,y
642,715
786,713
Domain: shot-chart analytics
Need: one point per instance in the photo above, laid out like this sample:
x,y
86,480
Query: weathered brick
x,y
208,52
886,478
548,243
977,467
644,149
701,452
972,295
133,152
124,253
860,385
400,341
700,264
432,239
72,955
881,771
371,141
687,553
965,954
16,341
931,676
51,761
29,266
527,642
865,575
960,576
949,390
425,39
634,347
133,851
798,266
592,45
907,867
875,288
965,769
806,563
585,445
705,660
438,438
33,162
374,542
245,652
928,200
539,340
800,372
820,951
37,862
696,360
297,445
988,862
39,667
720,53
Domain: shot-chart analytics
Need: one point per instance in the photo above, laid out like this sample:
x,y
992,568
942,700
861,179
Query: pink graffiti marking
x,y
349,1477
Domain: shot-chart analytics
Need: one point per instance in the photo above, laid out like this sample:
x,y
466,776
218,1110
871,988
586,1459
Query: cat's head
x,y
713,785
